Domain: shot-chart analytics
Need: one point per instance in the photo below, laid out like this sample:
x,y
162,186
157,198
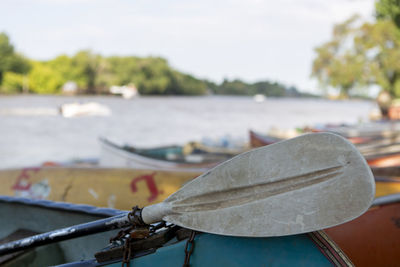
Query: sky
x,y
251,40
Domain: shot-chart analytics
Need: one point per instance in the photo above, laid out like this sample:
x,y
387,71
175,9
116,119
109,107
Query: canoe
x,y
384,160
257,139
387,180
311,249
373,239
165,158
102,187
24,217
370,129
378,153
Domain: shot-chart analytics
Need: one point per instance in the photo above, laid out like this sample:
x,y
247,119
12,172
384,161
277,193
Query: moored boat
x,y
164,248
263,204
23,217
373,238
257,139
165,158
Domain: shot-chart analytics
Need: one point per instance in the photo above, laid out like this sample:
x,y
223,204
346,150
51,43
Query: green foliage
x,y
44,80
238,87
388,9
9,60
95,74
184,84
358,56
337,64
12,83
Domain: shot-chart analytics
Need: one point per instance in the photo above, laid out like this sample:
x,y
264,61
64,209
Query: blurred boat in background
x,y
191,157
87,109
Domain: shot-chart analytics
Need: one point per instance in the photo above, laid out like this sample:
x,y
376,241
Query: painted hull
x,y
386,186
109,187
387,180
389,160
373,239
101,187
313,249
257,140
216,250
41,216
114,156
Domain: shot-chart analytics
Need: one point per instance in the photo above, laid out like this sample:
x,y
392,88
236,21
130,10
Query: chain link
x,y
189,249
127,253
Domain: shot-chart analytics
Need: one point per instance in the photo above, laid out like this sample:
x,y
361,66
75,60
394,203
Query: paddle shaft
x,y
103,225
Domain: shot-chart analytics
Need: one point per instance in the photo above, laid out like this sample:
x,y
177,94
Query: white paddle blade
x,y
300,185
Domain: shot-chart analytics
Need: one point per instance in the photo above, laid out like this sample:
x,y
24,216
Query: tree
x,y
359,56
12,83
9,59
44,80
388,10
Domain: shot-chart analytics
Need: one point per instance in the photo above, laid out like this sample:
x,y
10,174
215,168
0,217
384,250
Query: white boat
x,y
126,92
259,98
87,109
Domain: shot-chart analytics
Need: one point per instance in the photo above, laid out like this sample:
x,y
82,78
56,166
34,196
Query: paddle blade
x,y
300,185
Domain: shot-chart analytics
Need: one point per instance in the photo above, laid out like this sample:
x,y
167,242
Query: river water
x,y
32,131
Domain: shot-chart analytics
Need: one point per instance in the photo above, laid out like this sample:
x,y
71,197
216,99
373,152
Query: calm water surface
x,y
32,132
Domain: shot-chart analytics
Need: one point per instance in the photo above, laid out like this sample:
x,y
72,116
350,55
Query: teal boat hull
x,y
216,250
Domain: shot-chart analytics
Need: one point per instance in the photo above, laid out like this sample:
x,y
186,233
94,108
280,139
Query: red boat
x,y
372,239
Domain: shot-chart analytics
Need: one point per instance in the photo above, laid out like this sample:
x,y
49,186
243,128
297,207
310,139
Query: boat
x,y
366,144
373,239
70,110
101,187
387,180
377,151
186,158
259,98
257,139
260,208
22,217
384,160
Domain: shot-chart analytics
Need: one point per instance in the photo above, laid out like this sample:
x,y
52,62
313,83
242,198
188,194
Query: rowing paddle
x,y
300,185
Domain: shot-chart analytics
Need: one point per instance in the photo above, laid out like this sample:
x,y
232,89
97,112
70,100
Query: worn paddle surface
x,y
304,184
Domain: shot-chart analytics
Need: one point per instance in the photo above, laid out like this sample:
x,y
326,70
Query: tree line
x,y
362,54
95,74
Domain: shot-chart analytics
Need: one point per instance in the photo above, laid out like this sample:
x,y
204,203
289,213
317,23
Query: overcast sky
x,y
249,39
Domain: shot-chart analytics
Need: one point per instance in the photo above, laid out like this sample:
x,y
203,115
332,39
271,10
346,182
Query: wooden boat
x,y
373,239
102,187
242,197
387,180
22,217
384,160
311,249
378,152
257,139
383,129
165,158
